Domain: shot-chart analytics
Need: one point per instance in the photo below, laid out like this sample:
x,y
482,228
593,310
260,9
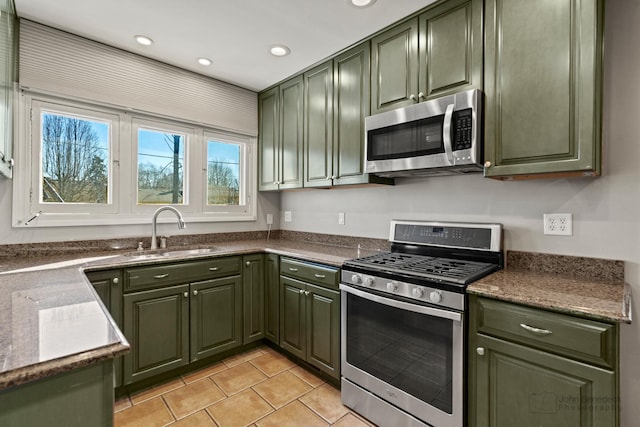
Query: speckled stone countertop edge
x,y
53,367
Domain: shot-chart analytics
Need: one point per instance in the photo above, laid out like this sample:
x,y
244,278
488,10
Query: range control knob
x,y
435,296
417,293
368,281
356,279
392,287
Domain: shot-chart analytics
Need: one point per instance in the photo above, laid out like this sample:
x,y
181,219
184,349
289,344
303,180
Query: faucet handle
x,y
163,242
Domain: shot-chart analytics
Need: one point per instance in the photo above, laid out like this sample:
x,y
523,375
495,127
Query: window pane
x,y
75,160
223,172
160,167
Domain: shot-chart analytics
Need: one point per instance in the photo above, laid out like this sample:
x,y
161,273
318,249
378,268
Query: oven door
x,y
407,354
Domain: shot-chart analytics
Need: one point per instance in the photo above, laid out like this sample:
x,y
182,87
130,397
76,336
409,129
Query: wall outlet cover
x,y
340,218
269,219
558,224
287,216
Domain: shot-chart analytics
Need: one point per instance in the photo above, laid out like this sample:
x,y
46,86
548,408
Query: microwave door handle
x,y
446,133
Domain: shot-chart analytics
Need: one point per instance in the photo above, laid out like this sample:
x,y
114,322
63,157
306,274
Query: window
x,y
72,158
88,165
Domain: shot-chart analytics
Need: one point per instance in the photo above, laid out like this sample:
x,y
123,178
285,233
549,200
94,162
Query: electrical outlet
x,y
287,216
269,219
341,218
558,224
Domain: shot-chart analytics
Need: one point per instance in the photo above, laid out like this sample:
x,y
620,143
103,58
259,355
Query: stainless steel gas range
x,y
403,322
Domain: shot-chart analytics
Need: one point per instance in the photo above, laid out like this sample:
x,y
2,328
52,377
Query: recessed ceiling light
x,y
361,3
143,40
280,50
204,61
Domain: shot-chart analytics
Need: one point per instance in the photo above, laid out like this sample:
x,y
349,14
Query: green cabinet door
x,y
543,84
268,140
253,293
272,298
291,126
394,67
318,126
292,317
450,48
521,386
108,286
156,324
323,329
216,316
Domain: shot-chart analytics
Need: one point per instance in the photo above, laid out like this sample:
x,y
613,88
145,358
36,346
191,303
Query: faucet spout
x,y
154,221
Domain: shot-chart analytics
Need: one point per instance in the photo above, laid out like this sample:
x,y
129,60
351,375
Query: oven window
x,y
410,351
412,139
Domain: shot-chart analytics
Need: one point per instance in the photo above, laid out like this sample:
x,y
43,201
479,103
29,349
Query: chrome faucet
x,y
181,224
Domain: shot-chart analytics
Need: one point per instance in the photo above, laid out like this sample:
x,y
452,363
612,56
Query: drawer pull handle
x,y
161,276
214,268
535,330
293,269
320,276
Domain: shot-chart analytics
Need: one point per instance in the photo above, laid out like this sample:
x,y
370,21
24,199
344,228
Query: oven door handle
x,y
446,133
436,312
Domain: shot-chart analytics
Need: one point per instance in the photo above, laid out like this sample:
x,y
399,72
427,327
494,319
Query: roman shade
x,y
55,62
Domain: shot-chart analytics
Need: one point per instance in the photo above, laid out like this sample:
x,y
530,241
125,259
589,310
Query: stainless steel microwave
x,y
441,136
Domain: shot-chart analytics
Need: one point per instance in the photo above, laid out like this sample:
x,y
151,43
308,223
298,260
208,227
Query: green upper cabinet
x,y
543,83
318,126
435,54
280,141
336,103
394,67
450,48
8,43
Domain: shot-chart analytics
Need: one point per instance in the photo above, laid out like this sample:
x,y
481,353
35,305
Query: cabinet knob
x,y
248,263
487,164
307,293
412,97
421,96
115,280
195,293
186,294
301,291
480,351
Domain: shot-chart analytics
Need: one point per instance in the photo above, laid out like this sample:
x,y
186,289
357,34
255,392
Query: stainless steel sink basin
x,y
187,252
167,253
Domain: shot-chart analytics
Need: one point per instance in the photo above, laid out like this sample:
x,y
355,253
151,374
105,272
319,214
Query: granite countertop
x,y
49,312
52,320
582,286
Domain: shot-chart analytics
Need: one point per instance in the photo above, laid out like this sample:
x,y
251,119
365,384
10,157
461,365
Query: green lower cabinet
x,y
216,316
530,367
156,323
272,298
108,286
253,298
79,398
525,387
310,324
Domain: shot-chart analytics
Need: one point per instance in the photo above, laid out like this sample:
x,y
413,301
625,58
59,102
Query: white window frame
x,y
247,177
123,168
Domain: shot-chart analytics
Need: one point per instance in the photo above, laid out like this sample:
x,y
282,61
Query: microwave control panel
x,y
462,125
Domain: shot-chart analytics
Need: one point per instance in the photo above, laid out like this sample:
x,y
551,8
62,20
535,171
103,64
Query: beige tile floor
x,y
259,388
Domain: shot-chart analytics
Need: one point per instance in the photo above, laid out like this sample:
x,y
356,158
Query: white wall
x,y
606,210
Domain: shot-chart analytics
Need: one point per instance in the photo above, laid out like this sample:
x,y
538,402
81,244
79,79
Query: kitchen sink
x,y
170,253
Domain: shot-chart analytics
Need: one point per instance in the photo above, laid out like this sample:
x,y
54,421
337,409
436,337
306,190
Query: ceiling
x,y
235,34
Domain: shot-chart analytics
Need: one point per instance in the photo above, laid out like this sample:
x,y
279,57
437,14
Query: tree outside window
x,y
160,167
223,172
74,154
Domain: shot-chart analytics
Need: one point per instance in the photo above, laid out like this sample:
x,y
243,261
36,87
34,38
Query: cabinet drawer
x,y
588,340
314,273
154,276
